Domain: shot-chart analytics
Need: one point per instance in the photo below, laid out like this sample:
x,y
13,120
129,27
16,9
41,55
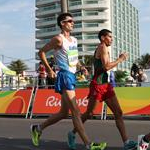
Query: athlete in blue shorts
x,y
66,57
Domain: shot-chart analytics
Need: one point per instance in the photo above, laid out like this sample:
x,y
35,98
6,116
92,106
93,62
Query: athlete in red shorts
x,y
102,90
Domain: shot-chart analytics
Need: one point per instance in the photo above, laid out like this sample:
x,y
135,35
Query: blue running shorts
x,y
65,80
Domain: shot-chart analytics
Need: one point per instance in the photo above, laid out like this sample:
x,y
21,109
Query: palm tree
x,y
19,66
88,60
144,61
120,77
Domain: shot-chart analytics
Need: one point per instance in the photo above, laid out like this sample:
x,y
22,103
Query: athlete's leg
x,y
89,111
36,130
70,98
63,113
78,124
113,104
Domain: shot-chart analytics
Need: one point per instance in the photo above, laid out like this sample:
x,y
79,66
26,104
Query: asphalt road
x,y
15,133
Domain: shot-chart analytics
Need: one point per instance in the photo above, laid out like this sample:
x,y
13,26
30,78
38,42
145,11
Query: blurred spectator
x,y
41,75
142,77
112,78
134,71
149,63
130,81
82,74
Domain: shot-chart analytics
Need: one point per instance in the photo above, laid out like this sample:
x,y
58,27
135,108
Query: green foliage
x,y
144,61
89,60
120,76
19,66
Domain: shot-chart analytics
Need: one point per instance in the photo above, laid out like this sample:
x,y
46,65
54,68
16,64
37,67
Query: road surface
x,y
15,133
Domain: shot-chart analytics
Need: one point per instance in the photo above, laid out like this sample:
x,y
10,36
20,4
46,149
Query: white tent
x,y
5,70
5,76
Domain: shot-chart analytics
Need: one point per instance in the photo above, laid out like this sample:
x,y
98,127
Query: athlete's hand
x,y
51,74
123,56
84,70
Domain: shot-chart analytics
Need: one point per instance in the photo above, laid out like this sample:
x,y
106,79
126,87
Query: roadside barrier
x,y
34,102
15,102
46,101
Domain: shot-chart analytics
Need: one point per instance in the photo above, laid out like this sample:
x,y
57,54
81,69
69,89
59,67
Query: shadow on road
x,y
25,144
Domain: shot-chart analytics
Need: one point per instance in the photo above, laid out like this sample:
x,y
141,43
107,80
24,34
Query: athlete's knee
x,y
88,115
63,114
76,112
118,114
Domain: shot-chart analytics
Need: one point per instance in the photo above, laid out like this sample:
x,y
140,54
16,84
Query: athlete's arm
x,y
106,60
54,44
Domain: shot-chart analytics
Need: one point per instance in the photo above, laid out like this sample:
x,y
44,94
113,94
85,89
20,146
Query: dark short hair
x,y
103,32
62,17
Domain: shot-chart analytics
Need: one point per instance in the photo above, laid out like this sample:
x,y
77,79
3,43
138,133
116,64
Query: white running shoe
x,y
142,145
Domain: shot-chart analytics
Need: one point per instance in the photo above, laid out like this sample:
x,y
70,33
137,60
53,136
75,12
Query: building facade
x,y
90,17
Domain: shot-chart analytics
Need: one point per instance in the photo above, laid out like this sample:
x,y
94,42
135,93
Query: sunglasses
x,y
70,21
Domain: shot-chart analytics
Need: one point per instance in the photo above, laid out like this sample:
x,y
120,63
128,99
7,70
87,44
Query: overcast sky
x,y
17,29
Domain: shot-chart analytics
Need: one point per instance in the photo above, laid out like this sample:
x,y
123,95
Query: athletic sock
x,y
88,146
39,128
127,141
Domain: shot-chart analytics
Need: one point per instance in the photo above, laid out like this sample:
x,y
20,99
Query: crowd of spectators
x,y
43,79
138,74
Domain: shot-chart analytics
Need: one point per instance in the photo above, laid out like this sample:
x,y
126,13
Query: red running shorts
x,y
101,92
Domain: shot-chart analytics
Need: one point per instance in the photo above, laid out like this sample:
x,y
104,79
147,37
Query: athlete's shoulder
x,y
57,40
74,38
57,37
102,48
